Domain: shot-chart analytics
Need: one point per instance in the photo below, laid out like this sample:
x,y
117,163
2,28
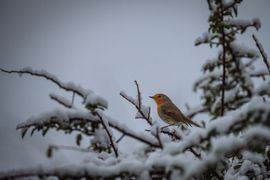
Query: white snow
x,y
62,100
205,38
96,100
241,23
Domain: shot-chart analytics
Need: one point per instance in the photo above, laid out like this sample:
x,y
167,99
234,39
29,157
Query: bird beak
x,y
151,97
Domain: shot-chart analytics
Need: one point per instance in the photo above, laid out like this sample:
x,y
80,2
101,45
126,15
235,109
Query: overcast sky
x,y
103,46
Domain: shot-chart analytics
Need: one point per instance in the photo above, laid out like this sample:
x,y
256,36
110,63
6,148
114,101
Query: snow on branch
x,y
61,100
77,89
205,38
224,146
231,122
264,55
79,121
143,111
261,73
105,124
89,171
231,4
90,99
158,161
142,137
243,24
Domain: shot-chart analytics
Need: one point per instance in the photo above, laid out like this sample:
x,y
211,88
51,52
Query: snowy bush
x,y
233,144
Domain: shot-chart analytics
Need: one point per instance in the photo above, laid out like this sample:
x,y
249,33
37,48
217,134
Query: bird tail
x,y
193,123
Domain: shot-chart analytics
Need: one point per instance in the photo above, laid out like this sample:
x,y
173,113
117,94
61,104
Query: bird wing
x,y
175,113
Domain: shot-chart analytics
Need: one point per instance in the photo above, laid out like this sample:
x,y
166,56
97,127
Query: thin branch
x,y
249,92
259,74
195,153
52,78
172,134
138,105
109,133
209,5
139,137
250,62
232,4
73,98
120,138
264,56
138,95
223,62
159,140
61,101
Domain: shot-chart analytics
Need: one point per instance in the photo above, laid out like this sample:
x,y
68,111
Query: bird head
x,y
160,98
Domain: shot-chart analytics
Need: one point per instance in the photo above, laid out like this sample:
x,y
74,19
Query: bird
x,y
169,112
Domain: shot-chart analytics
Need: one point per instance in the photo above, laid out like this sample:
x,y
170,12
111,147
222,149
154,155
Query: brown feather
x,y
172,112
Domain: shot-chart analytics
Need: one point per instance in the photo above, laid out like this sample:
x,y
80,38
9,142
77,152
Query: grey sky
x,y
103,46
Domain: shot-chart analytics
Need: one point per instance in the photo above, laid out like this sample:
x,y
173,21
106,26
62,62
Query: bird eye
x,y
159,96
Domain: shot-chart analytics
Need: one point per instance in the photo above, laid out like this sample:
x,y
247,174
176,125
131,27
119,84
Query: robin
x,y
169,112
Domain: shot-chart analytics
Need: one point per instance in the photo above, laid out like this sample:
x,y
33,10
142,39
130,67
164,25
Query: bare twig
x,y
138,105
264,56
195,153
138,137
120,138
109,133
138,95
168,132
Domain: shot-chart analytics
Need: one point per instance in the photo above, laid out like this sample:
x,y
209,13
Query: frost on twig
x,y
143,111
264,55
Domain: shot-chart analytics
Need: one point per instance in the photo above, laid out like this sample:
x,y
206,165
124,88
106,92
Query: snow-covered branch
x,y
87,95
61,100
79,121
109,132
77,89
184,165
264,56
